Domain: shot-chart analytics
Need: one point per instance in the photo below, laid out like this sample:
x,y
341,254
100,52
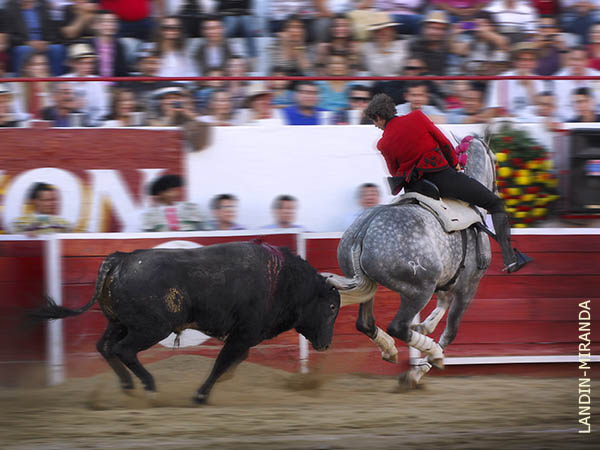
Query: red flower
x,y
507,139
533,189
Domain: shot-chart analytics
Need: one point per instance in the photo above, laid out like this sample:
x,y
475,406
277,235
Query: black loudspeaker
x,y
584,171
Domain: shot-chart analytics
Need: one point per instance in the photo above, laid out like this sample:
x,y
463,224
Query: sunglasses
x,y
414,68
360,99
171,27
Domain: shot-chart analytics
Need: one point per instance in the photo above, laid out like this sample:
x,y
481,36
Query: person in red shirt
x,y
415,149
134,17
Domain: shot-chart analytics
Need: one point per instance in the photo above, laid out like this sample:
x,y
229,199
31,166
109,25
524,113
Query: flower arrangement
x,y
525,177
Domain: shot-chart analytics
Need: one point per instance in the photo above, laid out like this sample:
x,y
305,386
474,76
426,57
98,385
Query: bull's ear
x,y
339,282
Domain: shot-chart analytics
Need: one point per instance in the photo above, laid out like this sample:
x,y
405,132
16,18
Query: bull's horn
x,y
352,290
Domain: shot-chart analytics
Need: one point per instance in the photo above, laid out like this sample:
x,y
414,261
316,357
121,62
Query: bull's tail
x,y
51,310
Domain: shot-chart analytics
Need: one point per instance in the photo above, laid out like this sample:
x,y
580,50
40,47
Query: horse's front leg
x,y
429,325
462,300
365,323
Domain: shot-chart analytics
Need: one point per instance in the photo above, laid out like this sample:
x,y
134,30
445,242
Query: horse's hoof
x,y
201,399
438,363
393,358
406,382
128,390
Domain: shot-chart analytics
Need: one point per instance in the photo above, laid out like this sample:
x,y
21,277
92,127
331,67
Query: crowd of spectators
x,y
182,38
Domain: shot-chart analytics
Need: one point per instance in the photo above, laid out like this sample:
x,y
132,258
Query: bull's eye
x,y
333,307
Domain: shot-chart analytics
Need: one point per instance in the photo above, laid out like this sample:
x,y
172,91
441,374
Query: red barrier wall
x,y
22,343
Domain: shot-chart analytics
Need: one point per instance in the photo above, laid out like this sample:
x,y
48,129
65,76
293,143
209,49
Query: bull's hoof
x,y
201,399
390,357
438,363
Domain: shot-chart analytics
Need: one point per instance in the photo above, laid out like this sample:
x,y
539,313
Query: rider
x,y
415,149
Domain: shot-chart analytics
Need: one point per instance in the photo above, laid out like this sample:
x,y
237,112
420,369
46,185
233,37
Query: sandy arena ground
x,y
267,409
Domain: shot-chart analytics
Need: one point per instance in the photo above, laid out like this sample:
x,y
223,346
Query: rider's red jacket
x,y
412,144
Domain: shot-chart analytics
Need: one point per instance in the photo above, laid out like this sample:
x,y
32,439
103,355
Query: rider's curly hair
x,y
382,106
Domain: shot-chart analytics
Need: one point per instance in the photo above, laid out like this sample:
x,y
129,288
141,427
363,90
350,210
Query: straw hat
x,y
78,51
255,90
384,22
437,17
524,46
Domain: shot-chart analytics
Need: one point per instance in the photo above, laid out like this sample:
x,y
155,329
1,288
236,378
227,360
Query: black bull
x,y
241,293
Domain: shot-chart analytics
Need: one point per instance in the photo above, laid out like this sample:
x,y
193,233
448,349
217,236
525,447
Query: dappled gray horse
x,y
404,248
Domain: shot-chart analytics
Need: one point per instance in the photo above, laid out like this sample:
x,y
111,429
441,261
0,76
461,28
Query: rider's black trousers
x,y
452,183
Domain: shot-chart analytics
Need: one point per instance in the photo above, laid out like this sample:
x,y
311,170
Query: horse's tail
x,y
360,288
51,310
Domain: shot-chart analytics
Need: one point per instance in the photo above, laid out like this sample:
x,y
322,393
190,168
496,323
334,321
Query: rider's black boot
x,y
513,258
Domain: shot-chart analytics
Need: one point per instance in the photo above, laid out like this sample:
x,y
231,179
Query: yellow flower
x,y
548,164
510,210
524,180
527,197
512,201
514,191
532,165
501,157
520,225
520,214
539,212
504,171
553,182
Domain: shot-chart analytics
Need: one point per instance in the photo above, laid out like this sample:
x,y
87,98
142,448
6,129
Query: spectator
x,y
326,13
215,50
43,218
358,99
414,66
111,60
7,116
437,43
578,16
585,106
93,94
305,110
281,11
174,59
78,19
368,196
384,55
220,109
30,28
334,93
552,47
224,209
484,40
4,51
547,7
515,18
543,112
175,108
168,212
284,209
239,23
417,97
258,108
237,67
340,39
32,98
66,111
577,65
282,95
594,47
134,17
461,11
190,12
509,97
125,111
289,50
148,65
204,90
407,13
473,109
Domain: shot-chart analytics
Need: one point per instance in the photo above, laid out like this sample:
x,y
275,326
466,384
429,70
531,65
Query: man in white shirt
x,y
510,97
417,97
94,94
577,66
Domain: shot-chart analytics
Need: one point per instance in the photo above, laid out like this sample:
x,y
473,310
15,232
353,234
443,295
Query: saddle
x,y
453,215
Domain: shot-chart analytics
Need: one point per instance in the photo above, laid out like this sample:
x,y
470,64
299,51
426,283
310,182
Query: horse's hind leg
x,y
114,333
458,307
365,323
400,327
433,319
139,339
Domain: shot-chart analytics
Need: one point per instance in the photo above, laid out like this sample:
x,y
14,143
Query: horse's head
x,y
480,161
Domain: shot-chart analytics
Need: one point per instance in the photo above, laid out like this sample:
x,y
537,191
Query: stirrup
x,y
521,260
